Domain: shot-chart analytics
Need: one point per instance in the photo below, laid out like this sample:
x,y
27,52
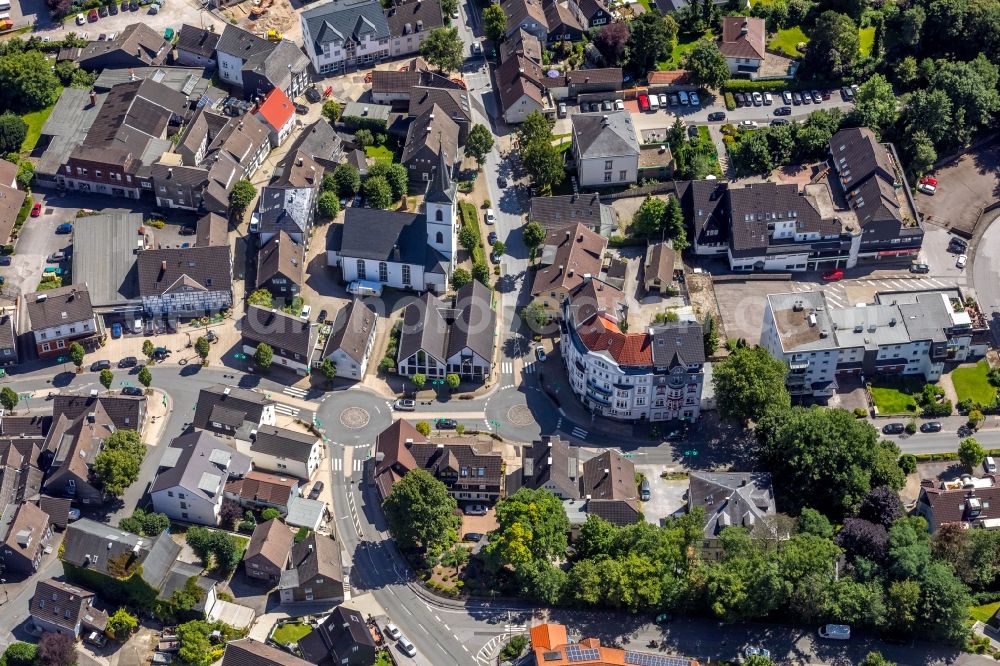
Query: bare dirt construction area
x,y
966,184
262,16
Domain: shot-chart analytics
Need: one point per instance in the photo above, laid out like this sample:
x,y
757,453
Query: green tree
x,y
25,174
239,199
481,273
448,6
536,127
195,648
202,347
148,349
460,277
116,467
651,38
455,557
331,110
833,46
532,525
423,427
875,104
328,369
752,155
145,524
13,131
327,205
443,49
468,237
452,380
707,65
20,654
971,453
270,514
710,335
216,549
261,297
495,23
76,354
535,316
748,382
649,218
394,174
28,81
9,398
500,247
533,234
418,380
930,111
122,624
673,225
378,193
106,378
945,605
263,356
972,88
364,138
544,164
421,513
347,179
480,141
920,153
813,522
876,659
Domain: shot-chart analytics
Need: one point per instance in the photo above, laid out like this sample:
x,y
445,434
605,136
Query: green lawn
x,y
985,612
379,153
971,382
896,396
35,121
786,41
291,632
685,43
866,39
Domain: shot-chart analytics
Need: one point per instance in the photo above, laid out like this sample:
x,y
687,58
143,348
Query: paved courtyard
x,y
965,185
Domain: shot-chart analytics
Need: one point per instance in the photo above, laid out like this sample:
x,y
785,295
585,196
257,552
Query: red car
x,y
929,180
834,275
36,210
644,102
92,16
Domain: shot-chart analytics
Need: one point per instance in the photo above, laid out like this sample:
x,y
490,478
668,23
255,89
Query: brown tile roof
x,y
163,270
518,76
248,652
600,334
57,307
57,509
408,13
609,476
136,39
519,10
523,43
53,598
280,330
351,329
281,256
743,37
433,129
273,541
212,229
11,200
124,411
571,253
953,503
316,555
26,531
660,258
580,77
672,77
299,170
263,487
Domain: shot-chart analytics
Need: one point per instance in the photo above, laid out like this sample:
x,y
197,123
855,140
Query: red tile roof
x,y
631,349
673,77
739,44
276,109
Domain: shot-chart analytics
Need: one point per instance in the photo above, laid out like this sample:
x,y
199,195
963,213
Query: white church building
x,y
414,251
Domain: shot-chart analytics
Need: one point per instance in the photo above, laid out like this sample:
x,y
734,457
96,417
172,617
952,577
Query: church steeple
x,y
441,188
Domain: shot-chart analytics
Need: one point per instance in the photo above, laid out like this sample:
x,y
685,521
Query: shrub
x,y
270,514
246,526
730,102
860,412
908,463
911,427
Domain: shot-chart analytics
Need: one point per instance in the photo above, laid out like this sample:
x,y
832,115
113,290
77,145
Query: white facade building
x,y
606,149
345,33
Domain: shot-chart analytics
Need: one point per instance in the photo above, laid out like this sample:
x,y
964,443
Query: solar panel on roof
x,y
552,656
647,659
579,653
189,84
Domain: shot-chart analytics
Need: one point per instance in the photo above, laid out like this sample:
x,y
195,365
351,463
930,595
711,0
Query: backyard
x,y
379,153
786,41
35,122
985,612
866,40
290,632
896,395
685,43
972,383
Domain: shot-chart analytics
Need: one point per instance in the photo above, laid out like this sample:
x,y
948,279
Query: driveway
x,y
666,498
38,240
965,185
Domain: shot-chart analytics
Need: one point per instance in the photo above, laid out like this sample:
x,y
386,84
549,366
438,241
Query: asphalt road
x,y
986,276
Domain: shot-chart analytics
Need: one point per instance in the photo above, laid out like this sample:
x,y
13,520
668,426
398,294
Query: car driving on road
x,y
893,428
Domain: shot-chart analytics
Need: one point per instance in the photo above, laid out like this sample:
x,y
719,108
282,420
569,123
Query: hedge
x,y
22,214
470,218
935,457
740,85
361,122
730,102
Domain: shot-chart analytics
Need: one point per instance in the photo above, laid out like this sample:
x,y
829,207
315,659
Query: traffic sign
x,y
239,356
60,359
24,396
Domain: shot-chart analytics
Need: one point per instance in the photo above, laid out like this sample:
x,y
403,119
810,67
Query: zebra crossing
x,y
357,465
529,368
287,410
507,368
295,392
579,432
836,294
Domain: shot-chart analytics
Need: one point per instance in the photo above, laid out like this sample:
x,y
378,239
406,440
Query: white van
x,y
654,103
990,465
4,5
837,632
364,288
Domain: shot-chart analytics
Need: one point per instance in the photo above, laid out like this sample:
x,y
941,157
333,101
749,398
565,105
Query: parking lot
x,y
666,498
37,242
173,14
967,184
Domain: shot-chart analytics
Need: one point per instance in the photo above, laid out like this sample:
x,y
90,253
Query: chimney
x,y
170,173
93,98
163,266
301,161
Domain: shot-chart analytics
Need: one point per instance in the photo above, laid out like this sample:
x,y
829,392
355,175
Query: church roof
x,y
441,188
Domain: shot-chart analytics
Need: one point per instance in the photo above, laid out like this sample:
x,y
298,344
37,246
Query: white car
x,y
664,101
454,13
80,19
619,105
758,99
768,100
787,98
694,99
306,311
476,510
406,647
927,188
73,514
404,405
392,631
491,218
654,103
748,124
962,260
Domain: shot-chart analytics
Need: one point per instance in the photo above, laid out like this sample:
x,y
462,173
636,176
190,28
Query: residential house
x,y
257,491
658,269
195,47
228,409
352,336
123,412
234,48
521,86
605,149
593,13
397,86
431,140
11,200
257,65
278,115
469,471
70,448
26,533
320,142
285,209
314,571
549,463
58,509
248,652
281,267
344,637
8,338
657,374
441,338
454,102
743,43
569,255
137,45
527,15
550,645
292,339
284,451
192,477
298,171
60,317
558,212
345,33
609,488
211,229
267,554
409,23
732,499
413,251
523,43
186,281
967,501
564,20
21,442
61,608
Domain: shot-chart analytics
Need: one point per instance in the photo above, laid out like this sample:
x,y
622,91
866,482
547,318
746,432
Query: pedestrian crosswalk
x,y
357,465
288,410
579,432
837,293
506,367
295,392
528,368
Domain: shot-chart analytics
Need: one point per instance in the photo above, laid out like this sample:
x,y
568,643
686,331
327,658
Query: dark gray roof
x,y
177,578
321,142
454,102
7,333
242,44
280,330
442,330
191,81
408,13
162,270
249,404
338,637
57,307
316,555
277,64
275,441
281,256
197,40
433,130
202,467
92,545
550,460
64,605
248,652
345,20
605,135
57,508
557,212
285,208
441,188
678,343
104,256
123,410
705,203
136,40
351,329
737,499
370,233
756,207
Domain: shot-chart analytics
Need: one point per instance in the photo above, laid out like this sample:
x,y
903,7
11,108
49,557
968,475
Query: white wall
x,y
301,367
591,171
72,329
349,267
520,109
230,68
287,466
198,510
333,57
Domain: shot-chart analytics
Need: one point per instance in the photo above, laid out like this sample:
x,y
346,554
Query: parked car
x,y
664,100
643,102
674,99
445,424
306,311
116,330
133,391
392,631
404,405
97,366
685,100
817,96
748,124
758,99
540,354
786,97
606,105
806,97
36,210
930,426
301,109
693,97
562,109
768,99
920,268
716,116
780,121
92,16
160,353
321,317
501,182
187,231
495,257
893,428
962,261
928,185
755,651
833,276
476,510
847,93
128,362
654,103
796,99
491,217
840,632
783,111
64,228
406,647
692,132
313,95
102,11
56,257
473,536
73,514
4,260
316,490
492,238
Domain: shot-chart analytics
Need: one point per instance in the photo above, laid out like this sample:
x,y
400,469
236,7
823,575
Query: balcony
x,y
591,386
600,399
797,365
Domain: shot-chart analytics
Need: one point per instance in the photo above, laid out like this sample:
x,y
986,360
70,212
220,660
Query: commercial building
x,y
186,281
345,33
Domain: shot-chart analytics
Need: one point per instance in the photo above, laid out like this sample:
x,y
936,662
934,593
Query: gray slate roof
x,y
197,40
678,343
281,256
370,233
442,330
757,205
408,13
739,499
550,460
560,211
248,652
280,330
202,467
610,134
351,330
275,441
345,20
56,307
321,142
162,270
104,256
249,405
242,43
92,545
286,209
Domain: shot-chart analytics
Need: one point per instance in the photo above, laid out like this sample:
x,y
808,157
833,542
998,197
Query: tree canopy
x,y
707,64
748,382
652,37
117,466
421,513
443,49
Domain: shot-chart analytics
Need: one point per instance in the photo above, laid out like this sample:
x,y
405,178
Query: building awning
x,y
897,253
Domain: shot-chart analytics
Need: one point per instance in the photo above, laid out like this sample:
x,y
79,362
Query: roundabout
x,y
355,418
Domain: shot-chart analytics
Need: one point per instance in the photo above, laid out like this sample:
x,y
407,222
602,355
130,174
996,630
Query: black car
x,y
957,245
161,353
783,111
128,362
102,11
473,536
113,9
134,6
321,317
301,109
4,260
133,391
930,426
446,424
716,115
96,366
187,231
796,99
313,95
738,98
893,428
211,336
316,490
846,93
780,121
502,182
